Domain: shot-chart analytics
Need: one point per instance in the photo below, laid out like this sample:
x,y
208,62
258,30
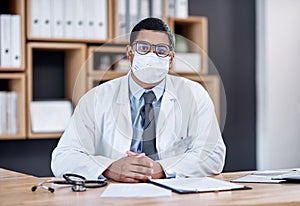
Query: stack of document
x,y
69,19
140,190
130,12
178,8
8,114
271,176
10,40
50,116
163,187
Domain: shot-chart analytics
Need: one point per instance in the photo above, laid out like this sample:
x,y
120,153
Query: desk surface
x,y
15,189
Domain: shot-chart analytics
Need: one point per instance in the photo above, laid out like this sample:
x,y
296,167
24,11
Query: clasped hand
x,y
134,168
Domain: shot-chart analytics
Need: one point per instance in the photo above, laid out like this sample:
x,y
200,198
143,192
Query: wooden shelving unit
x,y
66,68
13,78
195,31
74,55
16,82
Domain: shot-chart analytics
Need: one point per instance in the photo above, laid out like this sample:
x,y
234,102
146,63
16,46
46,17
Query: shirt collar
x,y
137,91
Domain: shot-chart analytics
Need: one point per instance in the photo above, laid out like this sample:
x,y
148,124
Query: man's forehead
x,y
154,37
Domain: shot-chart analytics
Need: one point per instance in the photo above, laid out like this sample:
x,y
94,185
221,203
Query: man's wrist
x,y
158,171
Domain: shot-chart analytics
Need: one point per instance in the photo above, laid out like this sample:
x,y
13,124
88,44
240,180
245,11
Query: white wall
x,y
278,84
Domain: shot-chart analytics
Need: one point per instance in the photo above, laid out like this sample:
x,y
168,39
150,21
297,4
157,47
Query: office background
x,y
232,27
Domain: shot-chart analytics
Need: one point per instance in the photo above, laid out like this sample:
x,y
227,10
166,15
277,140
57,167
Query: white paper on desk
x,y
262,177
137,190
201,184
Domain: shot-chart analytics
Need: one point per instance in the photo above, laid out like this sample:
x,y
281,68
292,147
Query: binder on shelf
x,y
143,9
11,117
90,21
8,116
171,8
15,29
79,19
45,13
156,8
178,8
122,17
2,114
14,112
100,19
57,18
181,8
68,19
133,14
5,42
35,20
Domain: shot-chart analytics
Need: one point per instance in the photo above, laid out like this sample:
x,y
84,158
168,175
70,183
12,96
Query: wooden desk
x,y
15,189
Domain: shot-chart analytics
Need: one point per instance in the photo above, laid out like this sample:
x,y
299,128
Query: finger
x,y
130,153
128,179
142,161
139,177
142,170
141,155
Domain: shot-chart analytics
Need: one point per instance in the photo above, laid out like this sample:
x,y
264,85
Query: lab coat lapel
x,y
167,105
122,116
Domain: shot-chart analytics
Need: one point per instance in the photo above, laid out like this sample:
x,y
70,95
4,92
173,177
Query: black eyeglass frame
x,y
155,46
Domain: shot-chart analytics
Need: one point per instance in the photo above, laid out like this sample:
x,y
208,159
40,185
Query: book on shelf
x,y
8,115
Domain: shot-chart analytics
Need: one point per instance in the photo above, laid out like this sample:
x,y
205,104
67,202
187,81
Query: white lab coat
x,y
188,137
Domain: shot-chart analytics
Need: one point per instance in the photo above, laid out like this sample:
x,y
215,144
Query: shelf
x,y
16,82
107,59
68,40
86,16
55,71
194,29
96,79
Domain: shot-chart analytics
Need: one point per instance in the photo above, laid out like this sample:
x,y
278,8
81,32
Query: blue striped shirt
x,y
136,103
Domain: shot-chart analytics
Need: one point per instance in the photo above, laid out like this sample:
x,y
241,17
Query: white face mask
x,y
149,68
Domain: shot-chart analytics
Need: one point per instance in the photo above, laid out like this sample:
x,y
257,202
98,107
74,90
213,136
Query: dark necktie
x,y
148,123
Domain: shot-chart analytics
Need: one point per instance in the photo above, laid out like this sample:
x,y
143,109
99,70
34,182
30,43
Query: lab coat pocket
x,y
181,145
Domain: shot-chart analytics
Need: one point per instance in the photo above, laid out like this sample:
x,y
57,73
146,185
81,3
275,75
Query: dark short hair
x,y
154,24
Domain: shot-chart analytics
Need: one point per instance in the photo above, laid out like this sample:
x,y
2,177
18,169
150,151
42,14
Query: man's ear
x,y
172,57
129,53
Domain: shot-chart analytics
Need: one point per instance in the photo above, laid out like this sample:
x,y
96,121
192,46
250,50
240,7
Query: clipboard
x,y
197,185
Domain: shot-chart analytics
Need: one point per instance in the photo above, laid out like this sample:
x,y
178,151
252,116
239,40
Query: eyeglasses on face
x,y
144,47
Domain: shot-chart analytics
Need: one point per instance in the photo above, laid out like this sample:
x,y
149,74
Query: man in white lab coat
x,y
105,135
